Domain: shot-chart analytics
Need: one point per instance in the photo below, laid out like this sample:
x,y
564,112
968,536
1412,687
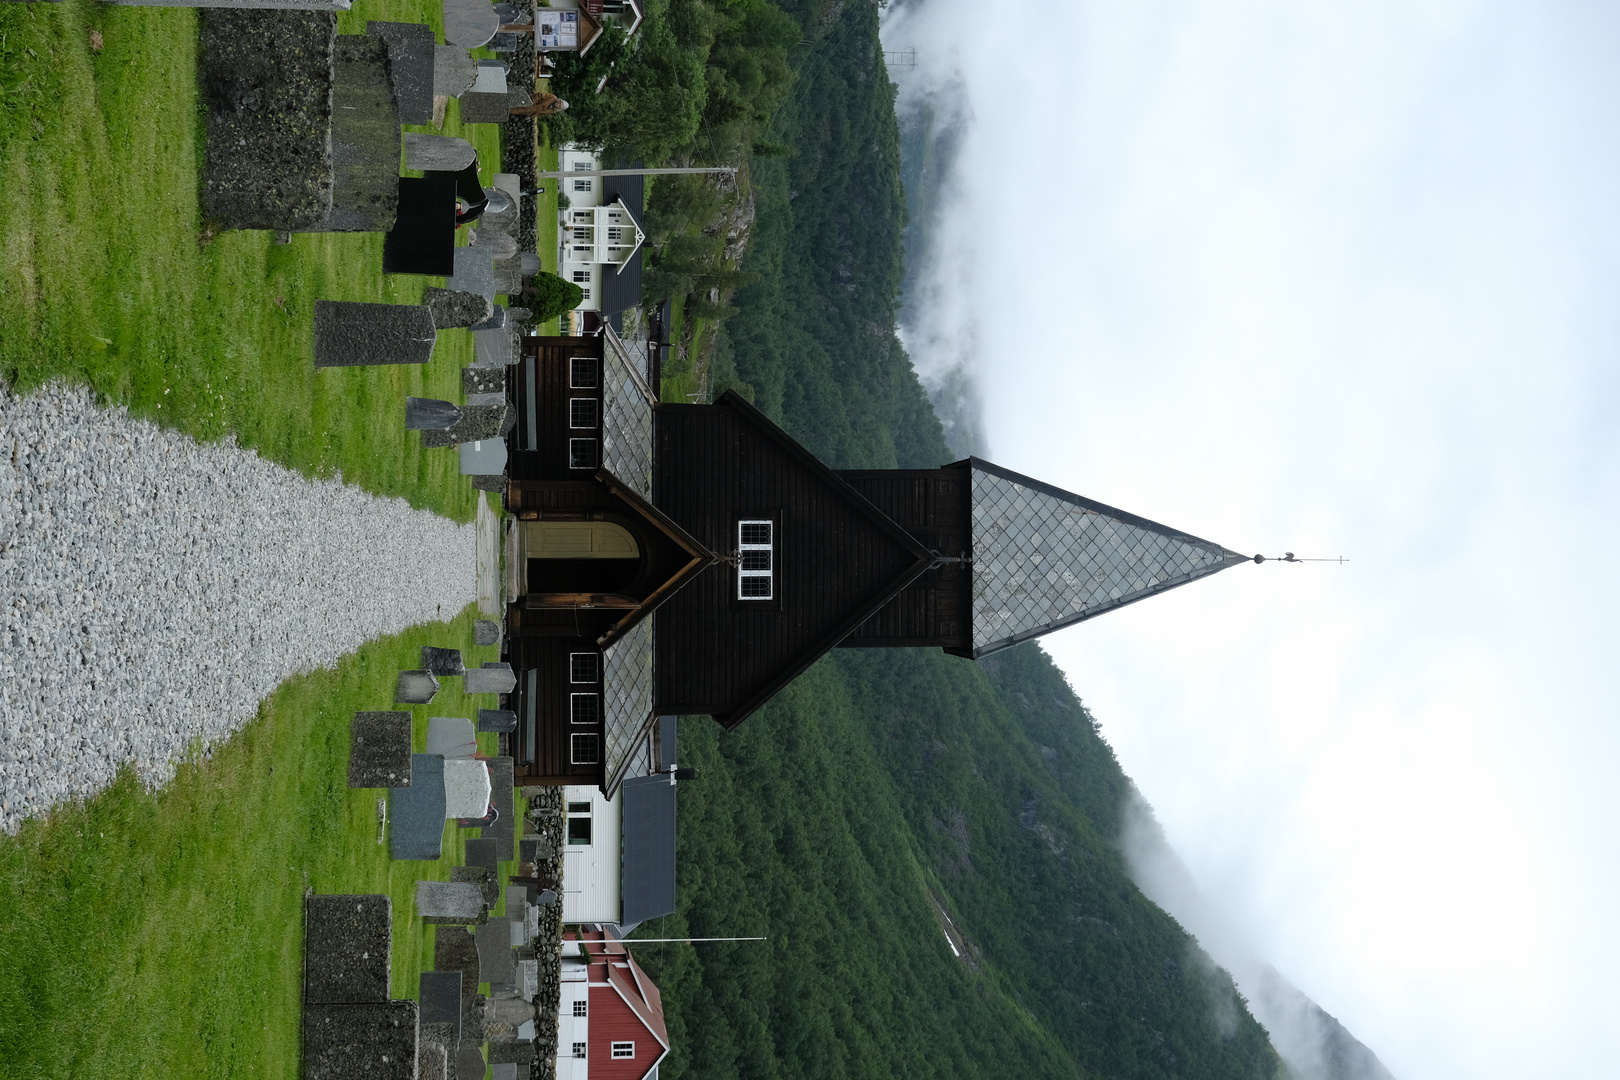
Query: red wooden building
x,y
610,1021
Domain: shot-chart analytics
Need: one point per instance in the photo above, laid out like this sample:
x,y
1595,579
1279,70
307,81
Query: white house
x,y
600,233
619,862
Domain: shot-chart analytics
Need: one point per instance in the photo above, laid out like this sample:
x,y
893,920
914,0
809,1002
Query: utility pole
x,y
563,175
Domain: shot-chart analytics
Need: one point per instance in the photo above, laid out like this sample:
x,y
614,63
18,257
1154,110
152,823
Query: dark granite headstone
x,y
477,422
492,678
483,381
440,995
365,138
430,414
480,876
423,239
380,749
346,948
497,721
486,632
469,1061
442,662
496,321
451,308
433,1059
374,1040
529,849
496,960
519,314
481,108
416,813
349,334
410,67
521,1053
502,796
415,688
490,483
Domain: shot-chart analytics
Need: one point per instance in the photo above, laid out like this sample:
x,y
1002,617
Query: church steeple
x,y
1045,558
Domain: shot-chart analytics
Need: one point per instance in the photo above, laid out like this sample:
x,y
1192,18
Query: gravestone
x,y
474,273
484,852
451,903
478,423
442,662
380,749
432,1059
440,153
423,240
502,795
451,737
517,917
486,632
481,877
470,23
496,320
466,788
350,334
486,399
529,264
483,458
497,348
528,985
482,108
483,381
346,948
454,71
470,1062
497,721
415,688
365,138
450,308
496,484
492,678
519,315
410,67
497,245
522,1054
545,898
375,1040
431,414
416,813
505,1070
496,960
440,995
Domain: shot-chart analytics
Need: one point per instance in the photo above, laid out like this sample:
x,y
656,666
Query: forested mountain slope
x,y
885,791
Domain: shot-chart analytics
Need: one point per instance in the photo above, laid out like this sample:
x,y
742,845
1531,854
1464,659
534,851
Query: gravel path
x,y
154,590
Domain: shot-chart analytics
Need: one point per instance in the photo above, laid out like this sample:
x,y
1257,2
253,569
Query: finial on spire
x,y
1289,556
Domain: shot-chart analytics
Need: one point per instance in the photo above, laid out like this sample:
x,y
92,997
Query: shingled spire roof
x,y
1045,558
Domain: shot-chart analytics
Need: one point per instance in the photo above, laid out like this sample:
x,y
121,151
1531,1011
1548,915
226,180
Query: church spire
x,y
1045,558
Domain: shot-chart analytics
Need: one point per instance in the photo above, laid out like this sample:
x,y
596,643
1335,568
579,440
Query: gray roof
x,y
647,877
626,415
627,694
1045,558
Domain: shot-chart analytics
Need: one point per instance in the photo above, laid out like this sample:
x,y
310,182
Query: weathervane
x,y
1289,556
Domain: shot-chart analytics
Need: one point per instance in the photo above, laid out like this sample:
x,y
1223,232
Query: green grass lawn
x,y
159,933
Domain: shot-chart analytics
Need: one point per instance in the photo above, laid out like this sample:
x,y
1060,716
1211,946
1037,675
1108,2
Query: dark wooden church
x,y
671,559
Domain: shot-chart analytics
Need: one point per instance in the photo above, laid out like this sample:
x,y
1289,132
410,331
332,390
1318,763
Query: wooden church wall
x,y
934,506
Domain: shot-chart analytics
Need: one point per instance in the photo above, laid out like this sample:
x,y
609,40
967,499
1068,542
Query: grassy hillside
x,y
885,791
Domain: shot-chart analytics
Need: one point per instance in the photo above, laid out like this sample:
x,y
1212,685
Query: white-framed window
x,y
582,185
582,277
584,708
579,1007
583,412
624,1049
756,560
615,235
582,166
582,217
584,373
585,293
579,1050
579,831
585,749
582,454
584,667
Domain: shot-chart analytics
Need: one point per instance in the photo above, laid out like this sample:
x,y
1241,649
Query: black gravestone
x,y
410,67
431,414
497,721
380,750
374,1040
423,239
346,948
502,796
440,995
483,852
350,334
442,662
496,960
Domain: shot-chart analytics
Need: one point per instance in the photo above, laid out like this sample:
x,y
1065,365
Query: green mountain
x,y
929,844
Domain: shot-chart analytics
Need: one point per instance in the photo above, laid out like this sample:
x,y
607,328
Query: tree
x,y
549,296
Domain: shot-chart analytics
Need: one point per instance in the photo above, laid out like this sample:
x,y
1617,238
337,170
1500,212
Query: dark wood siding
x,y
716,464
540,745
540,390
934,506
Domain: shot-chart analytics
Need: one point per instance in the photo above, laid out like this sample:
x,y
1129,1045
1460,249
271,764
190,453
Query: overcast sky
x,y
1335,278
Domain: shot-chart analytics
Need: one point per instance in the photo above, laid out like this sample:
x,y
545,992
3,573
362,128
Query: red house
x,y
610,1023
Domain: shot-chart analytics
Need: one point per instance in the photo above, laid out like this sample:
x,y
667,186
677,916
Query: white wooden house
x,y
599,234
619,862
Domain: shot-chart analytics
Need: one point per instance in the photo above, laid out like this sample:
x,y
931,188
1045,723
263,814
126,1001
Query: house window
x,y
579,828
583,276
584,708
582,412
583,373
582,454
756,569
582,185
579,1050
585,293
624,1049
583,750
582,217
579,1008
582,166
579,808
583,667
615,235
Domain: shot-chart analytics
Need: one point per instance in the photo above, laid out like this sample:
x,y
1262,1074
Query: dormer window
x,y
756,560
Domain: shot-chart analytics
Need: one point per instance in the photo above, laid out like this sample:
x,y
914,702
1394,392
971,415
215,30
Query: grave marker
x,y
451,308
346,948
410,67
442,662
439,153
497,721
451,737
492,678
352,334
415,688
451,903
440,995
416,828
374,1040
380,749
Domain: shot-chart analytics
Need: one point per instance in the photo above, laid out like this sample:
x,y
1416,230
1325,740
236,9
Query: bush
x,y
548,296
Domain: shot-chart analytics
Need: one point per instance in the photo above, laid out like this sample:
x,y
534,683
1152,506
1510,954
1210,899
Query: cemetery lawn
x,y
161,933
110,278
